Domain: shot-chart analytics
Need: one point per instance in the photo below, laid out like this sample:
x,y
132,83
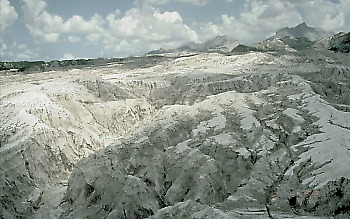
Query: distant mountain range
x,y
218,44
302,31
288,39
298,38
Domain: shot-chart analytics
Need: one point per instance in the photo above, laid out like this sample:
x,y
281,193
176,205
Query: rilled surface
x,y
209,136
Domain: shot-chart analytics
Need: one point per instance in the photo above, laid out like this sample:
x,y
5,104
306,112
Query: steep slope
x,y
243,49
218,44
202,136
50,121
275,44
299,44
340,43
248,141
286,43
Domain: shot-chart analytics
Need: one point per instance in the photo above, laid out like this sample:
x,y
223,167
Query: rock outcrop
x,y
340,43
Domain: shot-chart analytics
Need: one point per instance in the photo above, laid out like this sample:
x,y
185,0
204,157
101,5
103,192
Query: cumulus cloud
x,y
168,17
8,14
135,31
67,56
74,39
46,27
163,2
329,15
270,15
148,25
16,52
141,28
228,25
3,48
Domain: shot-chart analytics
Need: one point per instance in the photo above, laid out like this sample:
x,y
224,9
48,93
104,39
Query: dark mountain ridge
x,y
302,31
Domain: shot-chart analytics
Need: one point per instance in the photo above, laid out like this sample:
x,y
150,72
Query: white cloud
x,y
163,2
40,23
228,25
67,56
260,19
8,14
26,55
270,15
94,38
145,27
140,28
46,27
77,24
74,39
169,17
134,31
16,52
329,15
195,2
3,48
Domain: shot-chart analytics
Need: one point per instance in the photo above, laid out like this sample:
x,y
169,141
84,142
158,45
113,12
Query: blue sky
x,y
66,29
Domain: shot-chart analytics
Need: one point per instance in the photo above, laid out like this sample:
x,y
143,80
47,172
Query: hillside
x,y
340,43
202,136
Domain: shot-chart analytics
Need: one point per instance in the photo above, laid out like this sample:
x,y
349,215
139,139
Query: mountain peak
x,y
302,30
221,37
220,43
302,25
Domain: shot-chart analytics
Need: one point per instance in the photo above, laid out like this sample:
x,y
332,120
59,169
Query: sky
x,y
68,29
